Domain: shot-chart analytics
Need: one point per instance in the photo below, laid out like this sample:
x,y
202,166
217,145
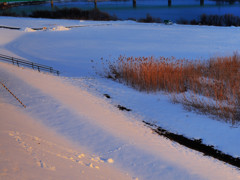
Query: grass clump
x,y
213,20
211,86
72,13
64,13
216,20
149,19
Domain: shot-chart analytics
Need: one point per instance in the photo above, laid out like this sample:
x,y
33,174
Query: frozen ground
x,y
74,105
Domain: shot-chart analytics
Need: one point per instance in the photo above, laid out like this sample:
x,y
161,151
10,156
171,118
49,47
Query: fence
x,y
18,62
13,95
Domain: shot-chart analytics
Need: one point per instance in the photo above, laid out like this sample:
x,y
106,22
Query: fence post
x,y
32,66
17,63
38,69
12,60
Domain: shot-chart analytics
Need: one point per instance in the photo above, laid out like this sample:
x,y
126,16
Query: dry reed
x,y
216,80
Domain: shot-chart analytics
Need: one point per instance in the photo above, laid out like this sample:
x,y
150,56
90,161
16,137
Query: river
x,y
123,9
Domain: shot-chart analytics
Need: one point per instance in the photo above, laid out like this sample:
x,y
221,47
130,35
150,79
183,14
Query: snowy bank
x,y
102,129
30,150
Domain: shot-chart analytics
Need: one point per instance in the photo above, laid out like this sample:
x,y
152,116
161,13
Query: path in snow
x,y
105,131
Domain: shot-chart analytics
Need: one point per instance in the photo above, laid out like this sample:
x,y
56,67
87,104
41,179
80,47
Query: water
x,y
123,9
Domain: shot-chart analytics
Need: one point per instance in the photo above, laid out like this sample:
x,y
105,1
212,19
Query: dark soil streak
x,y
107,96
122,108
195,144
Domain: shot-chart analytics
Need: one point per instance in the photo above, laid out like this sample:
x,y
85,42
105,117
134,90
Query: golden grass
x,y
216,80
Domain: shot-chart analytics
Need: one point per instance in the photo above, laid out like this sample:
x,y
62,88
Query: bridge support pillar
x,y
95,3
134,3
169,3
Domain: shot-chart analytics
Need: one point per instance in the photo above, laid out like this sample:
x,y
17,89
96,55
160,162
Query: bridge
x,y
134,2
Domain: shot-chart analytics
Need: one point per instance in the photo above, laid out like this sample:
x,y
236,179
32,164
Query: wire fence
x,y
25,63
13,95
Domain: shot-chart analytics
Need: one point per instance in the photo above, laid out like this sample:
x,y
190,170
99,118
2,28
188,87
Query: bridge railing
x,y
18,62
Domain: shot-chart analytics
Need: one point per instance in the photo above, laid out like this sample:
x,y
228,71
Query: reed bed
x,y
211,86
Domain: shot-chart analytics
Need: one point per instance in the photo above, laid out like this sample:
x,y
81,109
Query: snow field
x,y
74,106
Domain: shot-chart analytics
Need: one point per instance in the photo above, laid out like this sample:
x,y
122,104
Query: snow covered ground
x,y
72,51
29,150
73,105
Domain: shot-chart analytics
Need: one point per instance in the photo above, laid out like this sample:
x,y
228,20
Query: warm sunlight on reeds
x,y
211,86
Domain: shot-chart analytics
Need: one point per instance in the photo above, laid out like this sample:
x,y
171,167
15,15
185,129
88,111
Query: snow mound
x,y
29,30
60,28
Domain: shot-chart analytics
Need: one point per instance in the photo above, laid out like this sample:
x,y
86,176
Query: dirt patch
x,y
107,96
122,108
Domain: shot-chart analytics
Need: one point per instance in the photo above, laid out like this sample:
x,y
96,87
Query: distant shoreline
x,y
5,5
